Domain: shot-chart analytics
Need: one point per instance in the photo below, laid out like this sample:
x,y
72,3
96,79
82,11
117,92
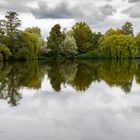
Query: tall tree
x,y
128,28
12,24
55,39
37,31
83,36
28,46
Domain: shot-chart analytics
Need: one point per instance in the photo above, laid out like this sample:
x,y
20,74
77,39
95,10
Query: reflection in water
x,y
14,76
80,75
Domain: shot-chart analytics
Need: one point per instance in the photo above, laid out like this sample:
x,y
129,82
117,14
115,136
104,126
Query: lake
x,y
71,100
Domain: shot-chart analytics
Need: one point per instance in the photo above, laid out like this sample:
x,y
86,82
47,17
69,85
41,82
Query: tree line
x,y
79,42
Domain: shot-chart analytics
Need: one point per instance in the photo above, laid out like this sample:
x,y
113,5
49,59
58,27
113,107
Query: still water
x,y
83,100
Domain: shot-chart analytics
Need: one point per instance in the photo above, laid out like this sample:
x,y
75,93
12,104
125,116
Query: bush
x,y
5,52
91,55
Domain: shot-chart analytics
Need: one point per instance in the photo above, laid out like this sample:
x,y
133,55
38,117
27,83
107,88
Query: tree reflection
x,y
83,78
118,73
9,85
81,74
78,74
17,75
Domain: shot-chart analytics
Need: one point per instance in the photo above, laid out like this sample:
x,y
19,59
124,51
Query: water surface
x,y
83,100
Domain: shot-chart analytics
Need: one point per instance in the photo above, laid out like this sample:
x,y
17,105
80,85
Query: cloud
x,y
107,9
61,10
80,12
133,1
133,11
14,5
86,11
99,14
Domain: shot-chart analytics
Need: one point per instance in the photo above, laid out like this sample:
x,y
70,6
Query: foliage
x,y
80,41
95,39
12,23
5,53
128,28
1,57
69,47
2,28
29,46
138,39
96,54
37,31
23,45
121,46
83,35
55,39
43,51
34,30
111,32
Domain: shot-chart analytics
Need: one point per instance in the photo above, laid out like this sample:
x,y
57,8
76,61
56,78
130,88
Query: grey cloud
x,y
59,11
81,12
86,11
133,11
94,12
15,5
133,1
107,9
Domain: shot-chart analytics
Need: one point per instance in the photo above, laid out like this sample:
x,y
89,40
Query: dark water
x,y
84,100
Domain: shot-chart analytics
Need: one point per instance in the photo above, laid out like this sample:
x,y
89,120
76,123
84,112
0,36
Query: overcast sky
x,y
99,14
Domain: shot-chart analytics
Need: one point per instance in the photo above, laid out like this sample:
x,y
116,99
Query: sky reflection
x,y
101,112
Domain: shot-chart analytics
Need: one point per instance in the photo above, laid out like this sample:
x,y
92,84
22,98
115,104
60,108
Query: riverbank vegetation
x,y
80,42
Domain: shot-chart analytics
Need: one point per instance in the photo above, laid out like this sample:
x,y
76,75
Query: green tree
x,y
83,36
29,46
128,28
42,44
137,38
5,53
95,39
12,24
111,32
119,46
55,39
69,47
34,30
